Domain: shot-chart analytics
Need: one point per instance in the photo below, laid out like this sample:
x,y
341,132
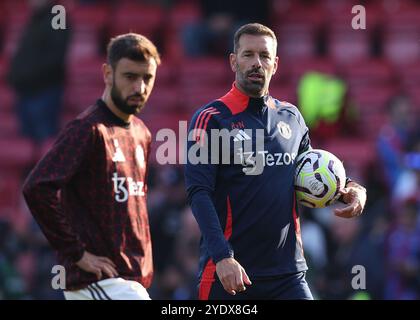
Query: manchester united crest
x,y
284,129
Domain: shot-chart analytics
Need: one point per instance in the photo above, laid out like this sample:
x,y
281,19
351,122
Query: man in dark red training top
x,y
251,246
88,193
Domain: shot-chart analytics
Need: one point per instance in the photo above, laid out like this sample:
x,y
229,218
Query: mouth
x,y
255,76
136,100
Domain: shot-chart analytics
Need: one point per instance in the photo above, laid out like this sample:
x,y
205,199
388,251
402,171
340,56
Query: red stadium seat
x,y
165,73
284,92
401,17
9,126
414,94
163,99
16,14
368,72
10,191
4,65
372,99
348,47
402,32
183,14
7,98
409,74
79,97
295,41
372,123
296,69
204,72
86,71
15,153
296,27
293,12
197,96
136,17
88,17
402,48
83,44
354,153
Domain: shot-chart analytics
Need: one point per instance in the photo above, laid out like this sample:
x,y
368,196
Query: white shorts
x,y
110,289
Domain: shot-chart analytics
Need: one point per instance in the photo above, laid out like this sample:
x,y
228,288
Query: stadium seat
x,y
198,96
297,27
79,97
409,74
91,17
401,16
7,98
414,93
204,71
165,73
372,99
296,41
83,44
401,32
4,65
353,152
296,69
9,126
87,71
183,14
372,123
368,72
164,99
402,48
10,191
15,153
284,92
137,17
348,47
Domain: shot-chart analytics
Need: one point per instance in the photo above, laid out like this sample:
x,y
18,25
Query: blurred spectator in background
x,y
407,185
324,103
352,246
11,281
37,75
214,33
394,136
403,255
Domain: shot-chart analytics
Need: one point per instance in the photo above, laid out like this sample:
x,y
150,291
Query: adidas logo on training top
x,y
241,136
118,155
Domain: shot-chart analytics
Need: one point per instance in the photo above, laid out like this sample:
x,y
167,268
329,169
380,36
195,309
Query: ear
x,y
276,64
107,74
232,60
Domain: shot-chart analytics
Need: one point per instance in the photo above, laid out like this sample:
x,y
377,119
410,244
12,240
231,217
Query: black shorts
x,y
286,287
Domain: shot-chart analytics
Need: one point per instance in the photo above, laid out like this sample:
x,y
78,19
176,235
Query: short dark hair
x,y
132,46
255,29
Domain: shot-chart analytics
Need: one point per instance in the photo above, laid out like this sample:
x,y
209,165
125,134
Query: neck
x,y
106,97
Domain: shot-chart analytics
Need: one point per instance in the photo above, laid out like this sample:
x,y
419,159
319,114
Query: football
x,y
319,177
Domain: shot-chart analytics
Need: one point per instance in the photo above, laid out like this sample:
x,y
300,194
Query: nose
x,y
257,62
140,86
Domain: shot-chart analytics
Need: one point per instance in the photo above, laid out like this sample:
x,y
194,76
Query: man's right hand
x,y
97,265
232,275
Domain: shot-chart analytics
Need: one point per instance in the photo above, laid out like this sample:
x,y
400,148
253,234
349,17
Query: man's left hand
x,y
355,196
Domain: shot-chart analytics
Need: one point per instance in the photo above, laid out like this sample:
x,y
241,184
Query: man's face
x,y
131,84
254,64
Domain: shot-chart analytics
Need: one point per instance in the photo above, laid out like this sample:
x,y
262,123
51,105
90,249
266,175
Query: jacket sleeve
x,y
305,143
200,179
41,188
